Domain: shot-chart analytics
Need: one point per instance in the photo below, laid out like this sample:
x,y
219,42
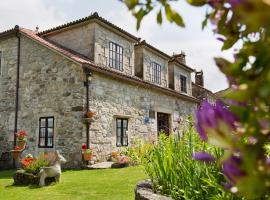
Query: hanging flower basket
x,y
87,157
21,144
89,114
16,154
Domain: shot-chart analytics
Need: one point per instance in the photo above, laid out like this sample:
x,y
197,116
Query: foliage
x,y
136,151
32,165
173,171
109,184
246,22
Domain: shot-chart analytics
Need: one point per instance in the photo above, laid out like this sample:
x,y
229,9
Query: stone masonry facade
x,y
53,66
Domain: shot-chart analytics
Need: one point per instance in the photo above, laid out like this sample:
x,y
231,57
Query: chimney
x,y
37,29
180,57
199,78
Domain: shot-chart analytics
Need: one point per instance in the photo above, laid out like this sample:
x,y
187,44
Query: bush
x,y
173,172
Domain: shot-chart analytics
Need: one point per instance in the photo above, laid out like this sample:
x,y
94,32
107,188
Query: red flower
x,y
21,135
27,161
84,147
17,148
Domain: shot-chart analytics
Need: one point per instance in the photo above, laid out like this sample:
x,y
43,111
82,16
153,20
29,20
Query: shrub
x,y
173,172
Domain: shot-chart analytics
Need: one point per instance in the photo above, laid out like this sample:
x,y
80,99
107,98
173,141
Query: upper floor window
x,y
121,132
116,56
0,63
183,83
46,132
156,73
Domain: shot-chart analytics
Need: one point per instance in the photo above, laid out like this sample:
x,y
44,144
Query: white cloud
x,y
29,14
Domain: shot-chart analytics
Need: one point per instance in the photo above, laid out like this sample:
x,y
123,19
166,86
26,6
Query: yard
x,y
111,184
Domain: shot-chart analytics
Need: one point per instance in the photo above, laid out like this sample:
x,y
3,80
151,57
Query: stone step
x,y
101,165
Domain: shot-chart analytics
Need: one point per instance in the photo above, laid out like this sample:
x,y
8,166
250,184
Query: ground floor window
x,y
121,132
46,132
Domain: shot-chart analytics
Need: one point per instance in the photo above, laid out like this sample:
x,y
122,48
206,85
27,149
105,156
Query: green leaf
x,y
204,23
229,42
178,19
197,2
159,17
131,3
169,13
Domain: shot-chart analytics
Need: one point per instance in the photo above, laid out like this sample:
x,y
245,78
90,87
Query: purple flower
x,y
203,156
235,2
268,161
232,168
210,117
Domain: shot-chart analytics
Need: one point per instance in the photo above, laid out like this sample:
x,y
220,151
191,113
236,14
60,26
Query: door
x,y
163,124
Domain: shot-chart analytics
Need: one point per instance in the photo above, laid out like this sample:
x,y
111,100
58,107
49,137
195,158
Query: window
x,y
46,132
0,63
183,83
116,56
121,132
156,73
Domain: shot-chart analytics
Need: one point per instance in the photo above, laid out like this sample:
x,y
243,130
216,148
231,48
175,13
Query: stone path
x,y
102,165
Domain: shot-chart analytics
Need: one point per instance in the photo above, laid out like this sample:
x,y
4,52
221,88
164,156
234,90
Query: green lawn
x,y
111,184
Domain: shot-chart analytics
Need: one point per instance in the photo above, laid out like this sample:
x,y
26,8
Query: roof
x,y
85,62
205,89
144,43
94,16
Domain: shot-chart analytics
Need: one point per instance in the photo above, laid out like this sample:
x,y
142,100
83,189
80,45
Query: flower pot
x,y
15,154
89,114
22,144
87,157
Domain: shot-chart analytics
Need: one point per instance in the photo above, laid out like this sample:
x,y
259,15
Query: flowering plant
x,y
17,148
84,147
27,161
21,135
123,159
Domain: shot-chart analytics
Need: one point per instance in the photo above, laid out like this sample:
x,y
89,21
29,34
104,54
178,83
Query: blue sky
x,y
200,46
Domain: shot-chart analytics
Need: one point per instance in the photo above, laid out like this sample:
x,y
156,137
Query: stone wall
x,y
80,39
8,47
51,85
103,37
177,71
112,98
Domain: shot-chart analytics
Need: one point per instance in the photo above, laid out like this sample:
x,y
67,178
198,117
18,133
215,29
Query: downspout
x,y
17,84
88,75
17,89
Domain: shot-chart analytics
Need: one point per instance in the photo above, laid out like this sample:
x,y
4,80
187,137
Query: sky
x,y
200,46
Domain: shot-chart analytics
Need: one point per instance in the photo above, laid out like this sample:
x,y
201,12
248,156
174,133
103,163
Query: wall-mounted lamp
x,y
88,78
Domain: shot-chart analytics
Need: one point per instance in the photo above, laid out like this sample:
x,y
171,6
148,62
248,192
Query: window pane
x,y
125,141
50,142
43,123
50,122
118,132
42,132
41,141
118,141
125,124
50,132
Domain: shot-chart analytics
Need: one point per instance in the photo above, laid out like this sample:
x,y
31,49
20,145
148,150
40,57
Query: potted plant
x,y
87,153
122,161
21,135
89,114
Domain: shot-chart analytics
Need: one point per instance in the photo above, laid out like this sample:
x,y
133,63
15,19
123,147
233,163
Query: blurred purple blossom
x,y
232,168
209,116
203,156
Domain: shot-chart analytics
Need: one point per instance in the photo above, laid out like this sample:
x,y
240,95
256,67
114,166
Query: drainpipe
x,y
17,84
17,88
87,83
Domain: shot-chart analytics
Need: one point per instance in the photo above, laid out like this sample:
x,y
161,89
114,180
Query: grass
x,y
111,184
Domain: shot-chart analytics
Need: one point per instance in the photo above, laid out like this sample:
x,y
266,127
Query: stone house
x,y
50,79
